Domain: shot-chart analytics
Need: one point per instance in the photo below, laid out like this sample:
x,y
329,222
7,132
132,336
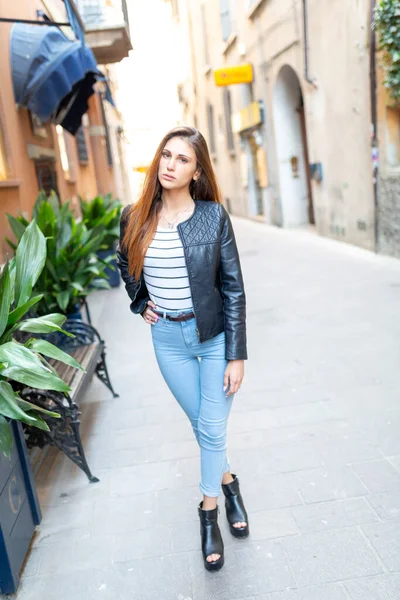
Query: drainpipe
x,y
306,49
374,118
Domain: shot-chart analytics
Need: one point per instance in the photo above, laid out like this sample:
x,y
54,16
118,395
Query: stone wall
x,y
388,215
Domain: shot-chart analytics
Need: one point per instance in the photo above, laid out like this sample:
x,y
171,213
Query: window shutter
x,y
228,119
224,9
107,131
81,146
211,130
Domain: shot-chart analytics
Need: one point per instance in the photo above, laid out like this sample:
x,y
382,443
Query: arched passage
x,y
292,151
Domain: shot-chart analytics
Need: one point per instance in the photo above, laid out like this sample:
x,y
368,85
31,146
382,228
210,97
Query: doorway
x,y
258,201
47,176
292,150
251,145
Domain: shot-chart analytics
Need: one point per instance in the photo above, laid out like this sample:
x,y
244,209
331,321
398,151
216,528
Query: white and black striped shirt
x,y
165,272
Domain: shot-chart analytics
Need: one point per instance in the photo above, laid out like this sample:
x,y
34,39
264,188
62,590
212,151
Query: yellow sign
x,y
233,75
250,116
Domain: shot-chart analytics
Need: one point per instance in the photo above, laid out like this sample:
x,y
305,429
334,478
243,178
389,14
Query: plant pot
x,y
75,314
113,276
19,511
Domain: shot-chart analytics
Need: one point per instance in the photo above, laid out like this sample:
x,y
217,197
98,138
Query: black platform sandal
x,y
235,510
211,539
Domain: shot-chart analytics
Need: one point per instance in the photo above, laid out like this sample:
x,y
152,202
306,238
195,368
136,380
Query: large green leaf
x,y
29,407
100,284
38,422
30,260
11,244
17,355
42,197
9,406
47,349
51,269
5,297
63,299
89,248
6,439
46,219
18,313
64,230
105,220
115,231
13,274
54,202
45,324
108,260
18,227
96,270
39,325
43,380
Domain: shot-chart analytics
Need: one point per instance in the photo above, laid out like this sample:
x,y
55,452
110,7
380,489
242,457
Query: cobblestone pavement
x,y
314,436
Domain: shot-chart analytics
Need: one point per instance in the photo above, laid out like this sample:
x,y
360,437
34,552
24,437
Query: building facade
x,y
387,169
293,145
36,156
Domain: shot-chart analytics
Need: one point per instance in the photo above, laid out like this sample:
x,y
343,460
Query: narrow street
x,y
314,437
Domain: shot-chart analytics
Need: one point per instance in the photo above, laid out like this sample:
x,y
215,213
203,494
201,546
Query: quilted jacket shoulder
x,y
204,226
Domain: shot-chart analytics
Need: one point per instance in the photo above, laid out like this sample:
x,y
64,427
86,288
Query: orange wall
x,y
19,193
104,173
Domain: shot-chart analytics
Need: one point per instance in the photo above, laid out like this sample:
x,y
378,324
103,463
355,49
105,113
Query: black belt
x,y
185,317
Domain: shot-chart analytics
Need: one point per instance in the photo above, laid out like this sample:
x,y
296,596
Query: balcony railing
x,y
107,28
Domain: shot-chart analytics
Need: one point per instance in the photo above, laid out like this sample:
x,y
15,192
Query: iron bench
x,y
88,349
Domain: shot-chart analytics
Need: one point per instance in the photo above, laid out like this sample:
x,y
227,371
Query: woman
x,y
180,264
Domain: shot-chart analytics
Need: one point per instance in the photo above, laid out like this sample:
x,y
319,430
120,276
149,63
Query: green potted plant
x,y
22,365
72,269
106,212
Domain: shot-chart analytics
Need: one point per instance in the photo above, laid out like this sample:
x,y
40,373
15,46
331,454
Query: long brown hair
x,y
142,217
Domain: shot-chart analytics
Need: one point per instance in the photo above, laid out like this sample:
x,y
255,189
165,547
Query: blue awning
x,y
52,76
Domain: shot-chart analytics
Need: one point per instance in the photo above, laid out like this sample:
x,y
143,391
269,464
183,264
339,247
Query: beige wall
x,y
337,108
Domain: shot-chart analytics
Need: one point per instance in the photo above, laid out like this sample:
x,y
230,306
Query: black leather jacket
x,y
215,277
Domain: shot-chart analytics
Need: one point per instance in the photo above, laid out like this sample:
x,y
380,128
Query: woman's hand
x,y
233,378
148,315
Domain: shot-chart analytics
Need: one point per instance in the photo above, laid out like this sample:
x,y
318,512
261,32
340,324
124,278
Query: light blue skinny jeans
x,y
194,372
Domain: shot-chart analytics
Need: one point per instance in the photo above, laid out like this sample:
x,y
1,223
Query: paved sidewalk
x,y
314,436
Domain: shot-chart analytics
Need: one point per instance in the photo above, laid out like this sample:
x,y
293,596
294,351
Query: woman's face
x,y
178,165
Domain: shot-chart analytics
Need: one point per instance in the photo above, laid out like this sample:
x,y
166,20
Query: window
x,y
107,132
225,14
6,170
211,130
3,158
205,37
63,151
228,119
81,146
66,154
47,176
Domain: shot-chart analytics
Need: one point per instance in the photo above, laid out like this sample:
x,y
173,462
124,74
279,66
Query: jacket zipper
x,y
184,251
